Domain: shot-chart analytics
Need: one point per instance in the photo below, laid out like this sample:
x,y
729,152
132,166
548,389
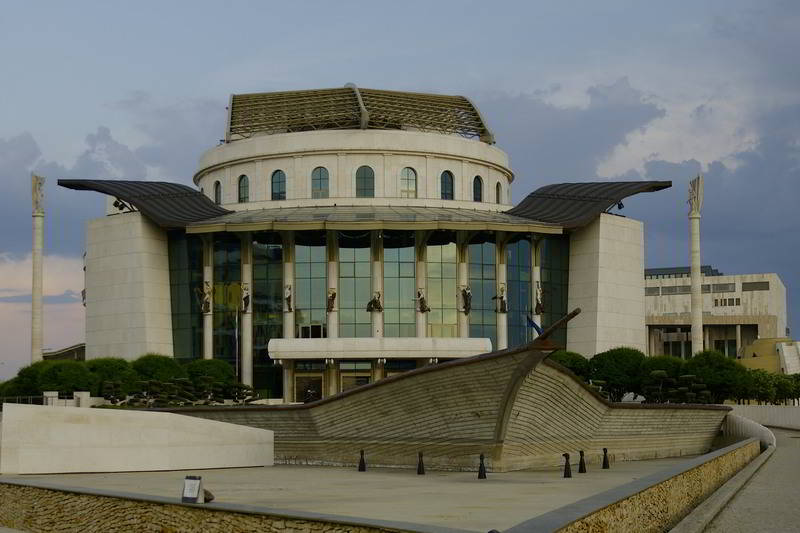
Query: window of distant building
x,y
447,185
498,191
365,182
279,185
244,189
408,183
319,182
217,193
477,189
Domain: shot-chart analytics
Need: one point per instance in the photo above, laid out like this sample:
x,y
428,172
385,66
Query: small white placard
x,y
192,490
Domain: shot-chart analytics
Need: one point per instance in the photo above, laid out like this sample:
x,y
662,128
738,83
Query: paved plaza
x,y
449,499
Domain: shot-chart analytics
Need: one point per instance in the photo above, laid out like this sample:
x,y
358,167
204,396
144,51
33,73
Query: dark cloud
x,y
549,143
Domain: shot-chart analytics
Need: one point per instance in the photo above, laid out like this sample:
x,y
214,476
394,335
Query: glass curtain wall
x,y
555,283
186,294
483,282
399,284
441,296
518,265
355,283
227,298
267,311
311,282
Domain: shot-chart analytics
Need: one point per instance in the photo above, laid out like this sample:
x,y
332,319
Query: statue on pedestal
x,y
287,296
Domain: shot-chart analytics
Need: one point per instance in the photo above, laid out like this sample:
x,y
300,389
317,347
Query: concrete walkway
x,y
770,501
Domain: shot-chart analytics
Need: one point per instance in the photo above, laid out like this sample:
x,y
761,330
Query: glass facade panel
x,y
555,283
267,310
518,265
448,192
311,285
186,294
365,182
244,189
279,185
477,189
227,298
354,374
319,182
408,183
441,276
399,284
483,282
355,283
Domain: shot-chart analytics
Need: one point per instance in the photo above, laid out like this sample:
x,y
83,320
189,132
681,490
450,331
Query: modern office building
x,y
339,236
737,310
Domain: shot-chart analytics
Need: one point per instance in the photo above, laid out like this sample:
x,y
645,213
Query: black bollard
x,y
362,464
582,464
482,469
605,459
567,468
420,466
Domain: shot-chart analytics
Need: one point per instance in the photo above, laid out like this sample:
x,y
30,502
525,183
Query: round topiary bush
x,y
220,371
577,363
112,369
157,367
66,377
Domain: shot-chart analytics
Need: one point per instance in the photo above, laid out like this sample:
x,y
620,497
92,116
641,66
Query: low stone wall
x,y
779,416
38,509
651,504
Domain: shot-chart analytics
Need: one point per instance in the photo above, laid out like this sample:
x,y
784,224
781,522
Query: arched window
x,y
278,185
477,189
498,191
244,189
447,185
408,183
217,193
319,182
365,182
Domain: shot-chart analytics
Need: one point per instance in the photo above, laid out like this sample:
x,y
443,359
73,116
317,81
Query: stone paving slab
x,y
449,499
770,501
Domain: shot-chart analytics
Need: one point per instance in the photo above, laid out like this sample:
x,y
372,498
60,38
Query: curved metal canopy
x,y
572,205
170,205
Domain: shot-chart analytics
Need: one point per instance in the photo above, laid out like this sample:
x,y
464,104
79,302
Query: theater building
x,y
338,236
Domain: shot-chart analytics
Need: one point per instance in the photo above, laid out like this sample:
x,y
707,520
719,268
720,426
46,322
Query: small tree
x,y
28,380
575,362
218,370
112,369
620,369
66,377
158,367
763,386
718,372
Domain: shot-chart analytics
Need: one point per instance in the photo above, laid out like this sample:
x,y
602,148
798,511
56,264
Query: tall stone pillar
x,y
707,338
738,338
246,306
462,282
695,205
288,287
333,283
208,297
502,290
420,244
37,332
288,380
377,280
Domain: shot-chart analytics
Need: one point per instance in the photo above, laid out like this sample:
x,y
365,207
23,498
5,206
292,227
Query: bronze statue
x,y
423,305
375,303
287,295
331,300
466,298
203,295
245,298
503,303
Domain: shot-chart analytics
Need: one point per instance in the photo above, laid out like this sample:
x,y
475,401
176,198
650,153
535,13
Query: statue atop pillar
x,y
696,196
466,299
37,194
287,296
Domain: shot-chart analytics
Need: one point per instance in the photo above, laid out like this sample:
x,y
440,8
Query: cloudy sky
x,y
574,91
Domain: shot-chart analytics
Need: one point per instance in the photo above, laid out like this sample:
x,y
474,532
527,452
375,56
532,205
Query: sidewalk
x,y
769,502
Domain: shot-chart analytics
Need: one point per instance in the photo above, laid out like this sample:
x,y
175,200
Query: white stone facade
x,y
605,280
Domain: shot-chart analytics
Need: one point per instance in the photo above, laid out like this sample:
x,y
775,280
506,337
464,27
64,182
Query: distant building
x,y
339,236
779,356
737,310
76,352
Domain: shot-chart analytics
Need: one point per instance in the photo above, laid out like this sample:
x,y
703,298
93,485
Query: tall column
x,y
333,283
738,338
377,280
246,307
707,338
208,291
536,282
420,244
37,197
462,282
288,380
502,290
288,286
696,203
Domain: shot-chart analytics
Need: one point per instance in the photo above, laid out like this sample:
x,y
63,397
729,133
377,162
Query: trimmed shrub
x,y
719,373
220,371
112,370
157,367
66,377
28,380
620,369
577,363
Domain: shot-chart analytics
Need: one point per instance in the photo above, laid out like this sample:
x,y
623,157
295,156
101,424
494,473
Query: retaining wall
x,y
781,416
